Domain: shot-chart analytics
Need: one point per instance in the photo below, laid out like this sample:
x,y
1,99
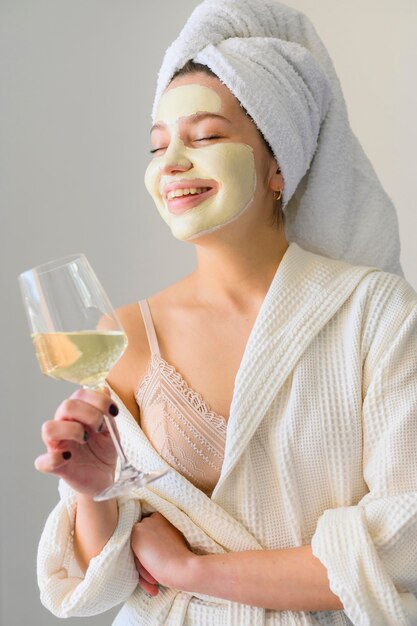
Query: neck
x,y
238,274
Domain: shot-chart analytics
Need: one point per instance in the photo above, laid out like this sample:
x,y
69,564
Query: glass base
x,y
129,479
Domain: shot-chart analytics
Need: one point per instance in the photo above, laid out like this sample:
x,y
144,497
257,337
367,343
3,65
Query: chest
x,y
207,351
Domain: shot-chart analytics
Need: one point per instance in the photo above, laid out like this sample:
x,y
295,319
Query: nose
x,y
175,158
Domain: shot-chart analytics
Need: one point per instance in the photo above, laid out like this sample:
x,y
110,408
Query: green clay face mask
x,y
212,183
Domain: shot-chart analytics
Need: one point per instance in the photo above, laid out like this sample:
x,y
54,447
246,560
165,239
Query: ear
x,y
276,181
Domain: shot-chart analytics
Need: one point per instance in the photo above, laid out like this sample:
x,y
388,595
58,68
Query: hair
x,y
193,68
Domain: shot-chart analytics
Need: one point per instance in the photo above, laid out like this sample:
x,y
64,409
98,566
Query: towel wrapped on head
x,y
273,61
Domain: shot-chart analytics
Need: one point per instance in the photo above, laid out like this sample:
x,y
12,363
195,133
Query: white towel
x,y
273,61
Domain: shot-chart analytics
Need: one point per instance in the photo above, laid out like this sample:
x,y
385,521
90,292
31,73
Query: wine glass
x,y
78,338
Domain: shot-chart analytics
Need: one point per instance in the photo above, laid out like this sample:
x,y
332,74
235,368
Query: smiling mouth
x,y
179,200
191,191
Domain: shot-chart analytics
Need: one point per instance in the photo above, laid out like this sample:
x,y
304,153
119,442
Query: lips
x,y
181,196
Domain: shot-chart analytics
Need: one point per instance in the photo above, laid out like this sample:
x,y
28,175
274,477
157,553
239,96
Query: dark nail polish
x,y
113,410
66,455
86,435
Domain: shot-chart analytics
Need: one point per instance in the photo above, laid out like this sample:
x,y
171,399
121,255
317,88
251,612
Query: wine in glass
x,y
78,338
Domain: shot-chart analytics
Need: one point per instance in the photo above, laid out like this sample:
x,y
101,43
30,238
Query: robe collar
x,y
306,291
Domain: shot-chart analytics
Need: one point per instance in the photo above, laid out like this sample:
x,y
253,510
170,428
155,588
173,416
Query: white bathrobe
x,y
320,449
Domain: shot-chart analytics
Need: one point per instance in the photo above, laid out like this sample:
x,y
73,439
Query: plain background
x,y
77,81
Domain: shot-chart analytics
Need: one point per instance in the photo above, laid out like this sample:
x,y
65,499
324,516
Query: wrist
x,y
190,574
199,573
87,502
95,522
211,575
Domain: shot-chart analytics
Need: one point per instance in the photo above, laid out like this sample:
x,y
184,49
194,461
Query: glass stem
x,y
114,437
116,442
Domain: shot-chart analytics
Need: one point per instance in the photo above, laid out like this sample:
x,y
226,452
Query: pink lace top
x,y
177,421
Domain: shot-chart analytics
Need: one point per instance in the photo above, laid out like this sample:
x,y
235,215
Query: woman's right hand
x,y
79,446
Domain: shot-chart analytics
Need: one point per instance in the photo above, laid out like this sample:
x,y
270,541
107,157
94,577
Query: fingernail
x,y
86,435
66,455
113,410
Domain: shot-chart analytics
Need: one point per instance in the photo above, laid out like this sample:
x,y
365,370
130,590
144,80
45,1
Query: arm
x,y
83,455
111,576
370,550
290,579
96,535
82,534
95,523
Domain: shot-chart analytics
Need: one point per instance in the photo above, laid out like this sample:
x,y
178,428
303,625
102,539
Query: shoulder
x,y
161,304
389,308
127,374
386,297
375,290
131,367
131,319
379,305
380,284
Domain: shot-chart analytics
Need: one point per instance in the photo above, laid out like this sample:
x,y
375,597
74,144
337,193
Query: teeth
x,y
177,193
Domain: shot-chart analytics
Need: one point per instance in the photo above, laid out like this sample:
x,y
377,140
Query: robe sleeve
x,y
370,550
111,576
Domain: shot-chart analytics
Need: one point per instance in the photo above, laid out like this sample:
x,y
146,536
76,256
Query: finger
x,y
102,401
83,412
52,462
144,573
54,432
153,590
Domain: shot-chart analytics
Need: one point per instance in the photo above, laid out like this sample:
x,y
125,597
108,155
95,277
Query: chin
x,y
225,228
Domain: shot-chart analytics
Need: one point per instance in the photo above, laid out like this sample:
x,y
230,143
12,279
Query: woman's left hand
x,y
162,553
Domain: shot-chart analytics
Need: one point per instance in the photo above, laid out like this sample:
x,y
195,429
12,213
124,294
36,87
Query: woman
x,y
301,511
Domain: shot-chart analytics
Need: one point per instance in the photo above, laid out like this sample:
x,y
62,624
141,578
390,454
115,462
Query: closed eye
x,y
207,138
200,139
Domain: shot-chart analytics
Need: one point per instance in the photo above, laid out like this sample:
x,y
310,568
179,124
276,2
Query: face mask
x,y
213,183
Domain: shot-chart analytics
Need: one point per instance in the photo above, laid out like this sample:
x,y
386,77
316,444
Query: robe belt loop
x,y
178,609
237,614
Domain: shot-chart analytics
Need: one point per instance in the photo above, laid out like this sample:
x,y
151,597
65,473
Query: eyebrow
x,y
194,119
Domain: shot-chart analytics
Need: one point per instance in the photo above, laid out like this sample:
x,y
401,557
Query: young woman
x,y
277,384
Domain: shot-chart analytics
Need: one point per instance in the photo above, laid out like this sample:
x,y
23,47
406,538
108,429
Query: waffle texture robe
x,y
320,449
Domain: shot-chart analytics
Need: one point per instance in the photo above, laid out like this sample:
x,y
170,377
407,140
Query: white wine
x,y
84,357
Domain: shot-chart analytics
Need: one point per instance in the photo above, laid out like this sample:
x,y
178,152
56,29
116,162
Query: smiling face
x,y
206,155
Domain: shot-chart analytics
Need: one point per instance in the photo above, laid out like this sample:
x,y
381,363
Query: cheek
x,y
233,165
152,181
152,177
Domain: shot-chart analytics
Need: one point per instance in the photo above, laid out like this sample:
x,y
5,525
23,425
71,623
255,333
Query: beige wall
x,y
77,82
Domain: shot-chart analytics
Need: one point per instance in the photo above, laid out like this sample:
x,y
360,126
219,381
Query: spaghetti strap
x,y
149,327
177,421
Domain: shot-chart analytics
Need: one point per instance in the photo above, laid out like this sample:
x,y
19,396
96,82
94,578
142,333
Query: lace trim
x,y
193,446
194,398
204,443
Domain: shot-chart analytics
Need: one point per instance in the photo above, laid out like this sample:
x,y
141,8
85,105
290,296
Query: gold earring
x,y
277,195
